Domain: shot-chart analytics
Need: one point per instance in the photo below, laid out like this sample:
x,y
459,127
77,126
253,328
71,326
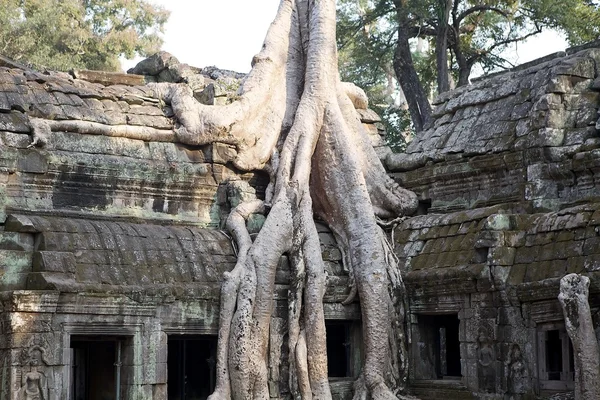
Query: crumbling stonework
x,y
116,241
506,175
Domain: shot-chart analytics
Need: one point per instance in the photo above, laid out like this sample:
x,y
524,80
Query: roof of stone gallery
x,y
85,211
506,110
102,97
507,175
510,137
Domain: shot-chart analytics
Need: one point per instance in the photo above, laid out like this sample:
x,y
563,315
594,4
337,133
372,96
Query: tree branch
x,y
483,53
480,8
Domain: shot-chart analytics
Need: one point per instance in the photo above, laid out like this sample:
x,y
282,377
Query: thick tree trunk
x,y
441,46
465,65
464,72
418,103
297,120
574,292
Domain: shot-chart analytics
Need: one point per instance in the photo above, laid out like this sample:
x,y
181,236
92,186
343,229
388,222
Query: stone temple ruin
x,y
111,253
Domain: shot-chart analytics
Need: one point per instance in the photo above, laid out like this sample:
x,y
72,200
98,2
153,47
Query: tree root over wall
x,y
573,297
295,119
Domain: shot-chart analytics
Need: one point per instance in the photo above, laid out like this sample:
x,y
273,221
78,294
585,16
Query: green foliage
x,y
92,34
366,41
479,32
579,20
398,127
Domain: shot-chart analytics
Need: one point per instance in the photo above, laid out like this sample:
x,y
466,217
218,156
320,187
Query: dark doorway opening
x,y
338,349
558,349
449,345
554,361
95,367
440,346
555,358
344,348
191,363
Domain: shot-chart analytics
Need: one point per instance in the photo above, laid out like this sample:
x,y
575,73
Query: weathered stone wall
x,y
140,282
84,173
109,236
527,135
112,237
506,173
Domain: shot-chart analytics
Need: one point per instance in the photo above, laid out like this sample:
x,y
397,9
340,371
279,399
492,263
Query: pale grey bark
x,y
574,292
296,120
293,105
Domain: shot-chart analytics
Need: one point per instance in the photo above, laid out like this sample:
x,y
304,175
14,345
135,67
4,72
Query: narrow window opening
x,y
191,364
450,346
423,207
344,348
554,360
481,255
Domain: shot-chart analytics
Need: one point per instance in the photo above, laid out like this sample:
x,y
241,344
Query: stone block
x,y
4,103
32,162
501,256
577,265
12,141
51,281
14,122
53,262
489,239
557,251
16,241
525,255
545,137
159,392
540,239
222,153
498,222
591,246
517,274
514,238
368,116
479,300
585,117
14,267
576,67
56,241
523,127
19,101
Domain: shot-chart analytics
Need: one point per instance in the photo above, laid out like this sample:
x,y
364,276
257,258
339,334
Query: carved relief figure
x,y
516,371
487,358
34,384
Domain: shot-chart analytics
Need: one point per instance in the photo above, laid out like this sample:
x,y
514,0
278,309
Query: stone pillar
x,y
574,291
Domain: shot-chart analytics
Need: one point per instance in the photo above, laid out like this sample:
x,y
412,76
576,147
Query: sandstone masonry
x,y
111,253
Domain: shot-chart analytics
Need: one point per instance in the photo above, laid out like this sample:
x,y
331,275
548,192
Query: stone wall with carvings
x,y
507,176
106,239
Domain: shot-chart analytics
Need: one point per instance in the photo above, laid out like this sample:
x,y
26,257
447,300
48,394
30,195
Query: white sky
x,y
224,33
228,33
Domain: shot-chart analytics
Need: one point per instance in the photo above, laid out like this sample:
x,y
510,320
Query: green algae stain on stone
x,y
14,267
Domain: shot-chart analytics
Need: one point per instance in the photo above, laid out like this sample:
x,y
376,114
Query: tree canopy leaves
x,y
458,35
92,34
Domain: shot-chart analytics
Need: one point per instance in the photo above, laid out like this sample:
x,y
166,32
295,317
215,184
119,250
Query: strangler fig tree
x,y
295,119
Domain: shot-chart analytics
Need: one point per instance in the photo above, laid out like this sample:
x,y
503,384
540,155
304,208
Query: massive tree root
x,y
573,297
294,118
